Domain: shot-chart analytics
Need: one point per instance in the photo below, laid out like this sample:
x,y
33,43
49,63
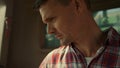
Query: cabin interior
x,y
23,39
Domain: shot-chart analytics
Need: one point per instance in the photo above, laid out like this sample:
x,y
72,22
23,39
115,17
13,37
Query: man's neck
x,y
88,50
90,44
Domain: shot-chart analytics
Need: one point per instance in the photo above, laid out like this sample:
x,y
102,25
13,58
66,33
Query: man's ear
x,y
77,4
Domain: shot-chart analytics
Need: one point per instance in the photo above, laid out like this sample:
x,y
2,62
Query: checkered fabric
x,y
70,57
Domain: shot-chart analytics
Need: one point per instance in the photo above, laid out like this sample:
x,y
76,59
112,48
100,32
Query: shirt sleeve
x,y
46,61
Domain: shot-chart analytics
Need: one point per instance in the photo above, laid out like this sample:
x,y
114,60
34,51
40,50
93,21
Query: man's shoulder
x,y
113,41
113,37
58,50
56,54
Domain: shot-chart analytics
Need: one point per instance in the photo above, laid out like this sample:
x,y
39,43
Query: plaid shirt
x,y
70,57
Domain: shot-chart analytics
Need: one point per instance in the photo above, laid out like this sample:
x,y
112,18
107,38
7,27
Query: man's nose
x,y
50,29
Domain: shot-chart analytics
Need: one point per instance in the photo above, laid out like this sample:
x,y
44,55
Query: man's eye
x,y
50,19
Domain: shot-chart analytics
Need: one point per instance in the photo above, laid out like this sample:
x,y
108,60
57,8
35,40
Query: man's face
x,y
60,20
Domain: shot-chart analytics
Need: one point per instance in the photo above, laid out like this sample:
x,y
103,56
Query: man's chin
x,y
64,42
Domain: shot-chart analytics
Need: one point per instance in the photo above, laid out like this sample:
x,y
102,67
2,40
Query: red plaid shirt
x,y
70,57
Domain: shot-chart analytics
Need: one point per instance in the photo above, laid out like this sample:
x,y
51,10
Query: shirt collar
x,y
113,37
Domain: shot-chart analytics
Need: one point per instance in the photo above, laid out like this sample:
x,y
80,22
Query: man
x,y
84,45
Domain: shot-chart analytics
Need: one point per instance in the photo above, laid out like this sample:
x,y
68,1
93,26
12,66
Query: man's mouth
x,y
58,36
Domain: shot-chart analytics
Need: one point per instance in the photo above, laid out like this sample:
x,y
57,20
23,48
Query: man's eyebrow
x,y
49,19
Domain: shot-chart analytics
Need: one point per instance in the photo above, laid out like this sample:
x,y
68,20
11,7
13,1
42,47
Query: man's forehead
x,y
44,11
